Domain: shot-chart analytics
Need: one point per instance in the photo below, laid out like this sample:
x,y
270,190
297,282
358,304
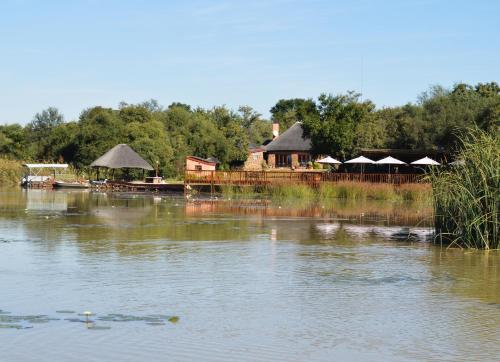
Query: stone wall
x,y
254,161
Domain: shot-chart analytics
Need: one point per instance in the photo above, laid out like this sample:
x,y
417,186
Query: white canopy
x,y
390,161
328,160
46,165
425,161
360,159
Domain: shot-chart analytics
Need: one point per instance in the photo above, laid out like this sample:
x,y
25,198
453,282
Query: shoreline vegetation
x,y
359,191
467,196
10,172
338,125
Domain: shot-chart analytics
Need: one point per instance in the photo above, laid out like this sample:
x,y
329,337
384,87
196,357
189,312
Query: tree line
x,y
339,125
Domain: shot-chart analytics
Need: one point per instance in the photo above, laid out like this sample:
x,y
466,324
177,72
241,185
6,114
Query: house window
x,y
197,167
283,160
255,157
304,158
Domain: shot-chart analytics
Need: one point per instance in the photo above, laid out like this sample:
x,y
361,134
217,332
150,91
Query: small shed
x,y
194,163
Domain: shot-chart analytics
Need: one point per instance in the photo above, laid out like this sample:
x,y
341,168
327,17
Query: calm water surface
x,y
247,281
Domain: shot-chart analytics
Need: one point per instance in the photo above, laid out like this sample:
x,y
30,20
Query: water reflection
x,y
116,217
252,280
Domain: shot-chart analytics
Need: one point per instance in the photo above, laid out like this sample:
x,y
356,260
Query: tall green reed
x,y
466,197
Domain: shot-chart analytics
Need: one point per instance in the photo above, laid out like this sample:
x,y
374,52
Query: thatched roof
x,y
290,140
121,156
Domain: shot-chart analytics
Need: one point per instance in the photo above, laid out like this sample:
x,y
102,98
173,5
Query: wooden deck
x,y
139,186
313,178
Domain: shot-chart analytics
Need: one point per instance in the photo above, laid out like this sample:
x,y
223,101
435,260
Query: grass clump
x,y
466,197
10,172
375,191
291,191
419,193
231,191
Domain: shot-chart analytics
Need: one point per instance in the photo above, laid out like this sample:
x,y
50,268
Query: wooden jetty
x,y
139,186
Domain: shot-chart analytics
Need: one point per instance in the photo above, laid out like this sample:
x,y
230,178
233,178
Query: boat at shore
x,y
71,185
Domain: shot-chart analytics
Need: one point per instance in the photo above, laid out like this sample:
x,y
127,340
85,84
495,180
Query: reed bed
x,y
466,197
334,190
10,172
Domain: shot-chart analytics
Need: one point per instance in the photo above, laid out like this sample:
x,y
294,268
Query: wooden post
x,y
212,183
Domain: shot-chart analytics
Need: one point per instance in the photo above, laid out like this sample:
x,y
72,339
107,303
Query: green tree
x,y
151,142
333,128
99,129
288,111
14,143
249,116
39,131
139,114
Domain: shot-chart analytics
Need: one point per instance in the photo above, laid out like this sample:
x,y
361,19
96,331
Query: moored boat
x,y
72,185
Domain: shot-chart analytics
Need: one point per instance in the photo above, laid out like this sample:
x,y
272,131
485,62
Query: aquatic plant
x,y
348,190
466,197
290,191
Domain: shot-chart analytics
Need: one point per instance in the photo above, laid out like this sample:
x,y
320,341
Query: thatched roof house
x,y
121,156
290,140
290,149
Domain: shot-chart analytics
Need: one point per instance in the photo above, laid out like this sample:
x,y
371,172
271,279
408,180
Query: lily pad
x,y
13,326
174,319
94,327
75,320
155,323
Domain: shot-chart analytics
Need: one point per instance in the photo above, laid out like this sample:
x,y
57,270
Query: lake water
x,y
168,279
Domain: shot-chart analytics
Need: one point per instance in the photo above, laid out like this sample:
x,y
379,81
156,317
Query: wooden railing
x,y
308,177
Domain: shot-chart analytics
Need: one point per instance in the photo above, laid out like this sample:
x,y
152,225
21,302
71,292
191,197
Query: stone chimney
x,y
276,129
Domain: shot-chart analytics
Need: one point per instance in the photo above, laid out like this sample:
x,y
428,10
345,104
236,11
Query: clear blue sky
x,y
77,54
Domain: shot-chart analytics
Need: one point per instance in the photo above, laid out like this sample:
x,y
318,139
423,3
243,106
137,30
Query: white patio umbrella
x,y
362,160
329,160
390,161
425,161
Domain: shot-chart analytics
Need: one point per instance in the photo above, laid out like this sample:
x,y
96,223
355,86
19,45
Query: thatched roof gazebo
x,y
121,156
